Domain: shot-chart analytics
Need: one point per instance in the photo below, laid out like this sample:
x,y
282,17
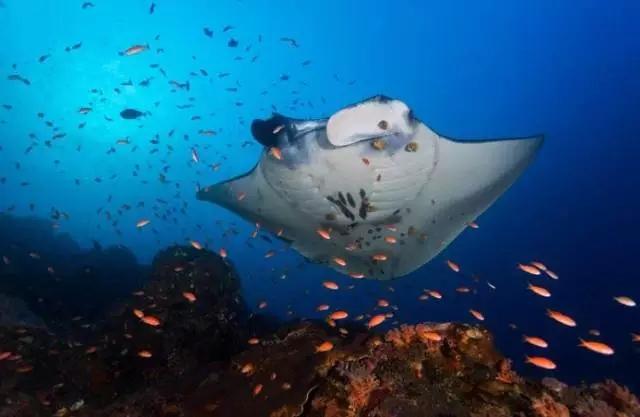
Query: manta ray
x,y
371,191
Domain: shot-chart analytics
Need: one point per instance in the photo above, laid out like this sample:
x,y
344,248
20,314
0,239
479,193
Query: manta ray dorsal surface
x,y
387,191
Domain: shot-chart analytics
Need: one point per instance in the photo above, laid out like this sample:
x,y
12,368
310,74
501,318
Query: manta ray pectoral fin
x,y
482,170
467,178
251,197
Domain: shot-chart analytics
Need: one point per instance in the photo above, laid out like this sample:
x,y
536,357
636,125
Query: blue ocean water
x,y
468,70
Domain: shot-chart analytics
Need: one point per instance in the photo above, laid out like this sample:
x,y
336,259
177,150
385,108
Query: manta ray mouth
x,y
266,132
281,131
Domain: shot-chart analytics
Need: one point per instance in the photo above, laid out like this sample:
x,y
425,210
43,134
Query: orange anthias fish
x,y
134,50
478,315
247,368
453,266
625,301
196,245
138,313
339,315
339,261
431,335
551,274
189,296
540,362
324,233
380,257
151,321
145,354
597,347
435,294
376,320
324,347
536,341
542,292
635,337
529,269
539,265
142,223
330,285
561,318
276,153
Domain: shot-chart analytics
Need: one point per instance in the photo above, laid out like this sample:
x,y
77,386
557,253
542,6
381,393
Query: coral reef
x,y
423,370
184,345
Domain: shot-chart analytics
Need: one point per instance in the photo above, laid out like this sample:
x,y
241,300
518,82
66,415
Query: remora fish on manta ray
x,y
371,186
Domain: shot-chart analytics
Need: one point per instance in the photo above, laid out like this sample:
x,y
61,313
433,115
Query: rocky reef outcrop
x,y
161,340
57,279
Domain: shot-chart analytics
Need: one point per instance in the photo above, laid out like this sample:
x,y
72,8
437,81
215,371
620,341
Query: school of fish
x,y
199,151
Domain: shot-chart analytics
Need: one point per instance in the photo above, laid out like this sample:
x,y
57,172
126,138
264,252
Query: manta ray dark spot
x,y
351,201
345,211
364,209
383,124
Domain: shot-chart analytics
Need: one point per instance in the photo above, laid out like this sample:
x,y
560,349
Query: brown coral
x,y
619,397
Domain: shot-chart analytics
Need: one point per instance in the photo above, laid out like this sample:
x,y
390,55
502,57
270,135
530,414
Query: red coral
x,y
546,406
360,389
401,336
430,335
506,374
332,409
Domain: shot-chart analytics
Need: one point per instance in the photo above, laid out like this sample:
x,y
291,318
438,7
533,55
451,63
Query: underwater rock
x,y
205,328
15,313
91,370
57,279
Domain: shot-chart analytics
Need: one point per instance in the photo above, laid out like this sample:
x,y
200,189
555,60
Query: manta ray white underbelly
x,y
371,191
